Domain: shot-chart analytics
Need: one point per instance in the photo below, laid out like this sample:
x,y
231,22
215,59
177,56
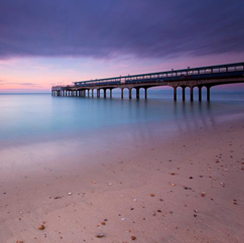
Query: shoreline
x,y
185,190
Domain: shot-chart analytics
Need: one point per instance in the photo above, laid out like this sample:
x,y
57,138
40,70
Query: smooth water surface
x,y
36,117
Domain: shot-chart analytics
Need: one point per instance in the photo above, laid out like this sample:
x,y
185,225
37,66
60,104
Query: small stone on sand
x,y
99,235
42,227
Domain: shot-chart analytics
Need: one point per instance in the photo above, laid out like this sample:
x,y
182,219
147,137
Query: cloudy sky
x,y
43,42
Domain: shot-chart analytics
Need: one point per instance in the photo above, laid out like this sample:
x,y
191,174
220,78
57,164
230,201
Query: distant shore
x,y
188,189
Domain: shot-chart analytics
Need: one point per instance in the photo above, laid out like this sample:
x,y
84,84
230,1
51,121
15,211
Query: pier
x,y
191,78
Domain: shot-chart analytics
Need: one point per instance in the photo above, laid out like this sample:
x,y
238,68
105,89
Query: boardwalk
x,y
191,77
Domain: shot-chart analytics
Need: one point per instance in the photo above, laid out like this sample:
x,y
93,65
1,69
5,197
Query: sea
x,y
77,123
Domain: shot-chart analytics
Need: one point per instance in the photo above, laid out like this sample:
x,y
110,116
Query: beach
x,y
186,188
121,121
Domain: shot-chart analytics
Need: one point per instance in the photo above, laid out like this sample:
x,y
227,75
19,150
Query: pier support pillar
x,y
130,93
175,93
92,93
111,93
104,93
98,93
122,93
208,93
200,93
137,93
191,94
183,93
146,93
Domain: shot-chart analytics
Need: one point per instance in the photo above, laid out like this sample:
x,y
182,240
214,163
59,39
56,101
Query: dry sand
x,y
189,189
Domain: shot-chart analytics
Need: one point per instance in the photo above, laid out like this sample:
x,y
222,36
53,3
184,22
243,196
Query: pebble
x,y
152,195
42,227
70,193
133,237
99,235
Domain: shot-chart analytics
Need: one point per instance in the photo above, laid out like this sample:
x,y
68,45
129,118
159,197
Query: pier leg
x,y
111,93
175,93
92,93
191,93
137,93
129,93
104,93
145,93
200,93
183,93
98,93
208,93
122,93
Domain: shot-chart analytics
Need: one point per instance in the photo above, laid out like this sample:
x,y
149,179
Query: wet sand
x,y
188,189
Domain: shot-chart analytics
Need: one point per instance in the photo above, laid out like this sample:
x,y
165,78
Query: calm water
x,y
37,117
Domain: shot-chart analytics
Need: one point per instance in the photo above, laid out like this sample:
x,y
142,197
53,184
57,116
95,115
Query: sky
x,y
50,42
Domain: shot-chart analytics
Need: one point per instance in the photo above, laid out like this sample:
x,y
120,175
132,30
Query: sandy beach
x,y
188,189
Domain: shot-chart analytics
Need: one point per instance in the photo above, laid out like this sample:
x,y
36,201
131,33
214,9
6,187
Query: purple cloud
x,y
103,29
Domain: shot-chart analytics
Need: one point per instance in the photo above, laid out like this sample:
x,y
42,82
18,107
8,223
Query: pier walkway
x,y
184,78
